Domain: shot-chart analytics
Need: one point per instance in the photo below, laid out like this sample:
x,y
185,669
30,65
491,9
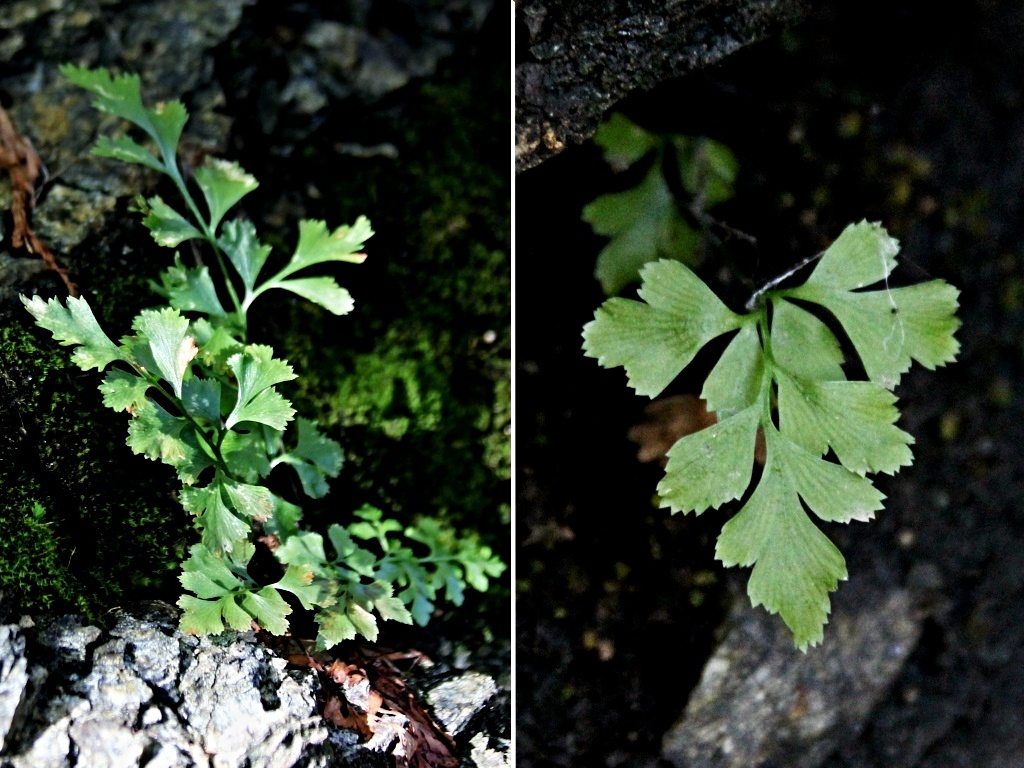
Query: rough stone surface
x,y
146,694
486,755
167,43
760,702
577,59
456,701
13,674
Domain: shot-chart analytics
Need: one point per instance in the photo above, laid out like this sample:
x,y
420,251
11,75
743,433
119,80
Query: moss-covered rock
x,y
84,524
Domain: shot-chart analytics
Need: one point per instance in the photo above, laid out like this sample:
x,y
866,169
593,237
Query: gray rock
x,y
580,58
13,674
760,702
347,60
485,756
146,694
166,42
456,701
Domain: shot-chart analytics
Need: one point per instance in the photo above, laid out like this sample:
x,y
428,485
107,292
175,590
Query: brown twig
x,y
22,164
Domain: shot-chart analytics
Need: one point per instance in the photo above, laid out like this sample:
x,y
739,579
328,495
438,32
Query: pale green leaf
x,y
305,548
75,324
479,564
393,609
221,528
171,347
167,119
735,382
268,407
322,291
795,565
269,609
862,255
803,345
216,343
121,96
123,391
833,492
160,436
256,371
243,248
201,398
246,453
655,339
335,627
125,149
219,579
191,289
889,328
223,184
372,524
317,245
623,142
350,554
203,586
253,501
364,622
257,368
168,227
712,466
856,419
390,608
298,580
235,616
200,617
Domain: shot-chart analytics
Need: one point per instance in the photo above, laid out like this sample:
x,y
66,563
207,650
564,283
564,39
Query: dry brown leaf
x,y
369,696
424,744
671,418
22,164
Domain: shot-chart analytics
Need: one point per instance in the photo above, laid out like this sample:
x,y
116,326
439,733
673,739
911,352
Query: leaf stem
x,y
753,301
171,165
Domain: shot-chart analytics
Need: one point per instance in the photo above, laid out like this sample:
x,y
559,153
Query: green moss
x,y
415,382
110,529
396,387
33,574
497,430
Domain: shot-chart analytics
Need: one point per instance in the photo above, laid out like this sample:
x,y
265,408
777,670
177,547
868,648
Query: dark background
x,y
912,117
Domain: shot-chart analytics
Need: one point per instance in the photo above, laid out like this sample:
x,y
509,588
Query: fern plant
x,y
206,402
645,222
782,375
